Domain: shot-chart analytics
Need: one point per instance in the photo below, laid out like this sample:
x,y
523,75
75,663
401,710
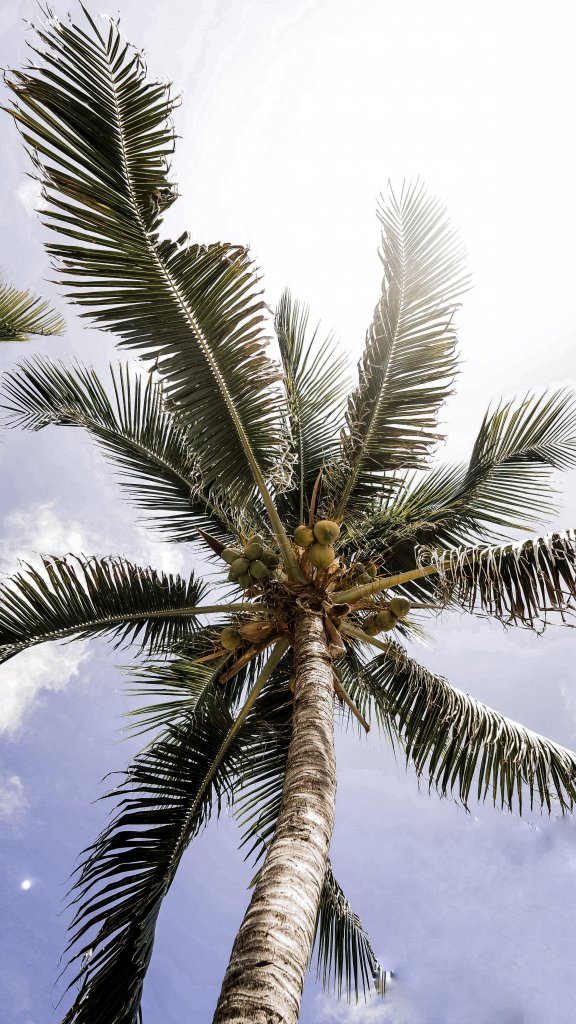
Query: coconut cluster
x,y
253,564
318,542
385,619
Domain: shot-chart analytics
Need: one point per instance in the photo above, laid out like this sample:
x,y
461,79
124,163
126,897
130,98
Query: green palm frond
x,y
346,959
261,778
506,484
96,597
136,430
409,362
23,314
101,136
316,384
184,683
518,583
168,795
457,742
507,481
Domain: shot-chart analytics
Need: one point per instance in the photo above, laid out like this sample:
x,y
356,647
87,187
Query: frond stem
x,y
346,699
383,583
188,314
274,659
116,620
359,634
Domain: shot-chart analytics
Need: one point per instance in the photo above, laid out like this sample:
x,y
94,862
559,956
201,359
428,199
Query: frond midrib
x,y
187,312
351,482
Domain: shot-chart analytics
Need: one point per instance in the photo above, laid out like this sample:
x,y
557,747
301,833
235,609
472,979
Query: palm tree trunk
x,y
265,976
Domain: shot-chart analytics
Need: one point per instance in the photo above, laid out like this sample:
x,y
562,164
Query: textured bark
x,y
265,976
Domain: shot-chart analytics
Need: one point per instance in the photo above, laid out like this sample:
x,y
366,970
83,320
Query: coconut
x,y
321,555
239,565
258,570
245,580
270,558
326,531
231,554
370,625
304,536
371,569
253,550
399,606
386,619
232,576
230,639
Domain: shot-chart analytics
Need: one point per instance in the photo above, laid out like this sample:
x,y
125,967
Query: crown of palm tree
x,y
222,447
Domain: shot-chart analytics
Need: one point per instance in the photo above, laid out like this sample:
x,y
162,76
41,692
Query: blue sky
x,y
294,116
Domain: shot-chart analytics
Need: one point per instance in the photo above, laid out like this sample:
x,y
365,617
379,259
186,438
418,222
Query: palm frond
x,y
101,136
168,795
135,429
409,360
520,583
184,683
460,744
346,959
23,314
78,596
506,484
316,385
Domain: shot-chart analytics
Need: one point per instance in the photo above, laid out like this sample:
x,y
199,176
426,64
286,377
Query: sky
x,y
294,116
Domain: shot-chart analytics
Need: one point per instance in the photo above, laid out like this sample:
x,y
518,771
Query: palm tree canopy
x,y
221,445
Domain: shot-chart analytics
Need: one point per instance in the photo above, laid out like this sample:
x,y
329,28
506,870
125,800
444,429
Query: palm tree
x,y
264,467
23,314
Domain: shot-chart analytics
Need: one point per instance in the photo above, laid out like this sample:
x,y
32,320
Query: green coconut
x,y
245,580
270,558
232,576
370,625
386,620
326,531
253,550
304,536
399,606
239,565
231,554
230,639
321,555
259,571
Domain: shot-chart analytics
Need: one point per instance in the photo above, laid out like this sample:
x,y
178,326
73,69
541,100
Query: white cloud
x,y
12,799
29,194
39,529
41,668
44,528
393,1009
